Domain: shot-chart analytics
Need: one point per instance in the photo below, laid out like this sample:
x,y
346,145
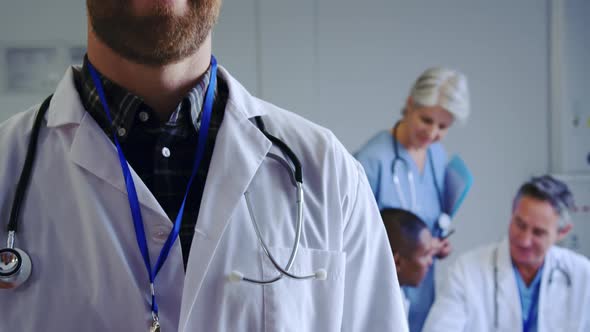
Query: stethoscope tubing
x,y
296,176
397,158
495,263
285,270
25,176
21,272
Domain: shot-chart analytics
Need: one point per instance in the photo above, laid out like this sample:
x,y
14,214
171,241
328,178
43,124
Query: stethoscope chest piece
x,y
15,266
444,222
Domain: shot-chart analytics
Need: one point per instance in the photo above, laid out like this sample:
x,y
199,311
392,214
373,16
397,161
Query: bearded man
x,y
162,196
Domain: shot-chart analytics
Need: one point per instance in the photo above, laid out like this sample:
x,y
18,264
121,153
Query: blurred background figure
x,y
411,244
525,282
406,164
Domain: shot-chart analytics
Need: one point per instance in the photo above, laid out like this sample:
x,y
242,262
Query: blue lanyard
x,y
526,323
132,194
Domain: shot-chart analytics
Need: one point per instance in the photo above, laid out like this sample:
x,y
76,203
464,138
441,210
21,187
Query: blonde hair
x,y
445,88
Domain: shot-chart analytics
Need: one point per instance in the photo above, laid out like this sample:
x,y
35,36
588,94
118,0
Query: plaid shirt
x,y
162,154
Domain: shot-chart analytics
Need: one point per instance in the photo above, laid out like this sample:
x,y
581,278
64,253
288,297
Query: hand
x,y
441,247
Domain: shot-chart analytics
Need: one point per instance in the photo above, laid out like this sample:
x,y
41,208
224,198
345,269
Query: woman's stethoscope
x,y
556,267
444,220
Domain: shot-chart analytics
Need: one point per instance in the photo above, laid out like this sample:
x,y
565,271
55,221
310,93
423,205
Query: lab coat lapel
x,y
510,311
240,148
554,306
91,149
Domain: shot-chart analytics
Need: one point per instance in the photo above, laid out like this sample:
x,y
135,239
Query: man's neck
x,y
528,273
161,87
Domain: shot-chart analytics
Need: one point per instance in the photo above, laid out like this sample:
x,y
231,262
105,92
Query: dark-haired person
x,y
524,283
411,244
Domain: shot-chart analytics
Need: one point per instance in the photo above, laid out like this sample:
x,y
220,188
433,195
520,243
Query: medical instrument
x,y
444,220
15,263
296,177
449,233
557,267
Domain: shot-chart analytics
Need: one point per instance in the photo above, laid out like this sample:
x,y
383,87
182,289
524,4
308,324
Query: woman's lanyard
x,y
132,194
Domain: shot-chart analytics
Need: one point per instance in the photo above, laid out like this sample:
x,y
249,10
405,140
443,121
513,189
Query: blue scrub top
x,y
377,157
529,299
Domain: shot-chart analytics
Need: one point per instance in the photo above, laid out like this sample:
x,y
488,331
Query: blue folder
x,y
458,182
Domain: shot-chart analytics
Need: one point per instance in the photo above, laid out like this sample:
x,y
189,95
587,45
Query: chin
x,y
422,143
526,260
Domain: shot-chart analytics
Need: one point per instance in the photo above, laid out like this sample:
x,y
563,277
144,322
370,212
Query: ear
x,y
409,104
398,261
564,231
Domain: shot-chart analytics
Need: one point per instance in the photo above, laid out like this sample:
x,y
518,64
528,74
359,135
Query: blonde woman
x,y
405,165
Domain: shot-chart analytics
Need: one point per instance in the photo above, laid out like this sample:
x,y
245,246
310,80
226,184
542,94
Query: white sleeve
x,y
583,268
449,311
371,171
372,298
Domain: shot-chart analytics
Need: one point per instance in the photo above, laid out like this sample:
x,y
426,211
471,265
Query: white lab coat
x,y
406,303
465,301
89,275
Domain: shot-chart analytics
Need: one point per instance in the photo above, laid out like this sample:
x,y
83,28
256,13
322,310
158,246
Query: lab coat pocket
x,y
309,304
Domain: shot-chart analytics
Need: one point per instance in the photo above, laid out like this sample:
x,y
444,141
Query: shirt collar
x,y
124,105
521,283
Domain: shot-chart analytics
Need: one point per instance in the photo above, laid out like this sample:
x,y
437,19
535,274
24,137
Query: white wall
x,y
571,86
27,23
349,64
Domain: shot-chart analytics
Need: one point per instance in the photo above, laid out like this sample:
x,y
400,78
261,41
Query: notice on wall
x,y
31,69
577,137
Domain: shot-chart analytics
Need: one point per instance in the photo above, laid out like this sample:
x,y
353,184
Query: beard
x,y
158,38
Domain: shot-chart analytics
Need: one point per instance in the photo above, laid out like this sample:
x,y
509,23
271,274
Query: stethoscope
x,y
555,267
296,176
444,220
15,263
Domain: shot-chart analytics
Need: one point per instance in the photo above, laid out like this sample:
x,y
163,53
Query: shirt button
x,y
161,235
143,116
121,131
165,152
